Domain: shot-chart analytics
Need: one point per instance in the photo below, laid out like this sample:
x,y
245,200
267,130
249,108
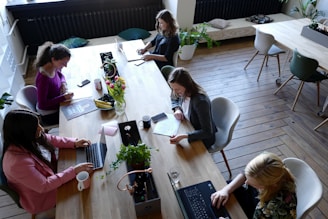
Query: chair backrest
x,y
27,97
263,41
301,66
225,114
4,187
175,58
166,70
308,186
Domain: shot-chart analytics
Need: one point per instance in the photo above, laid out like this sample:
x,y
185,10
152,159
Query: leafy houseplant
x,y
306,8
189,39
5,99
138,155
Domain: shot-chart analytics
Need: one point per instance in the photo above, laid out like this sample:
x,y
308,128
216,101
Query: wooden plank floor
x,y
266,122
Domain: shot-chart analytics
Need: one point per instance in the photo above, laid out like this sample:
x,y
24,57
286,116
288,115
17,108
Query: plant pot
x,y
187,51
315,36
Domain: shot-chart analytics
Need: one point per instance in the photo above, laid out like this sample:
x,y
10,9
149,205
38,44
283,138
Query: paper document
x,y
168,126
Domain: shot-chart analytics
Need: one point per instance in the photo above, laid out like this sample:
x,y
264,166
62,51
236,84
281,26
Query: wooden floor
x,y
266,122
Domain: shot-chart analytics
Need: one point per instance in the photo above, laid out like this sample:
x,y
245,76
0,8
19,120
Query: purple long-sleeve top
x,y
49,95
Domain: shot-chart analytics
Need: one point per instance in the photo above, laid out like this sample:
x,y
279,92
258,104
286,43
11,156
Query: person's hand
x,y
176,139
178,114
141,51
68,95
63,88
83,167
82,143
220,198
147,57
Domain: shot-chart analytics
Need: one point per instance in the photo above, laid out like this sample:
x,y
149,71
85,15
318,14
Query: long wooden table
x,y
147,93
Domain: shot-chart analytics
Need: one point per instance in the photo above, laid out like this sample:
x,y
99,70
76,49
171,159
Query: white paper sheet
x,y
168,126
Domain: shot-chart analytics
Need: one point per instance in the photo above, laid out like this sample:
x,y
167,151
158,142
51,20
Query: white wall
x,y
183,10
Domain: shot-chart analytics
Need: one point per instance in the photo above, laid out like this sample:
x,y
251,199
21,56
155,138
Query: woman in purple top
x,y
50,82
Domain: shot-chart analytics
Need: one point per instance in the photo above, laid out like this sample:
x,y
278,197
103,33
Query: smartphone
x,y
159,117
85,82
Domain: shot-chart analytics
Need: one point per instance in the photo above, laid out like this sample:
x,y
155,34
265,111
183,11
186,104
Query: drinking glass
x,y
175,175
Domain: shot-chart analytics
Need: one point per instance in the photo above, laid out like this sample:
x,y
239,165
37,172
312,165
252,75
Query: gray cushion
x,y
218,23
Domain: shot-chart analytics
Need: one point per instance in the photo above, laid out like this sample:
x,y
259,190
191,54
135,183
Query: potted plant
x,y
189,39
306,9
5,99
136,156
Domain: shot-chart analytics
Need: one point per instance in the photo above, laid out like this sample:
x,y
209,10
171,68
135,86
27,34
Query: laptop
x,y
129,50
195,201
95,153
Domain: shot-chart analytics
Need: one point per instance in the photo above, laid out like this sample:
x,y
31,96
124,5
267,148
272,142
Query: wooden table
x,y
147,93
288,33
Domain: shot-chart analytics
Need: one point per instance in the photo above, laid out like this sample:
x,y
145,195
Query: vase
x,y
119,107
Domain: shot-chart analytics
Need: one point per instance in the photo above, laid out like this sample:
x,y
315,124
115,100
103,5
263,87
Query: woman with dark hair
x,y
29,161
166,41
189,101
50,82
276,188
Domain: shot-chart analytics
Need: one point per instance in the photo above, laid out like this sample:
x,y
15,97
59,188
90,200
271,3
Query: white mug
x,y
98,85
83,180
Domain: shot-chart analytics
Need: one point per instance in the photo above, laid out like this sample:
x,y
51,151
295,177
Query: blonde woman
x,y
274,182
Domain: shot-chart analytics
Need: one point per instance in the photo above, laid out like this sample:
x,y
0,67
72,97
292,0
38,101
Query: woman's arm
x,y
222,196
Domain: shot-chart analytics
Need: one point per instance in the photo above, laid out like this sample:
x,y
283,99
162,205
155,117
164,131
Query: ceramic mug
x,y
98,85
83,179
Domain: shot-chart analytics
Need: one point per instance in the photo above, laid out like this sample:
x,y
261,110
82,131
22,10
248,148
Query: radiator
x,y
94,24
207,10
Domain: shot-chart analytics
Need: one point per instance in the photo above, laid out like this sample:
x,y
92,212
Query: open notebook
x,y
129,50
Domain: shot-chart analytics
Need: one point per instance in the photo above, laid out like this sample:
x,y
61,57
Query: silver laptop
x,y
95,153
129,49
195,201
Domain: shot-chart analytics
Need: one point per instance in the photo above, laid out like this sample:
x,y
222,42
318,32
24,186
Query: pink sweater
x,y
34,181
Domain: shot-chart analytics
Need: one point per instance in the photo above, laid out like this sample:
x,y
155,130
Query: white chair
x,y
175,58
225,114
26,98
308,186
264,44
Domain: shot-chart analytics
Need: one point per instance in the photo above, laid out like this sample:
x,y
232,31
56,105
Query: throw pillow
x,y
74,42
218,23
134,34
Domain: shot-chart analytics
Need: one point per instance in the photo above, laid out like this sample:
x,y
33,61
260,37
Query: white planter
x,y
187,52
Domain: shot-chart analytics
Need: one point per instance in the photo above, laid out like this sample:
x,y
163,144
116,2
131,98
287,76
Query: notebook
x,y
129,50
129,133
95,153
195,201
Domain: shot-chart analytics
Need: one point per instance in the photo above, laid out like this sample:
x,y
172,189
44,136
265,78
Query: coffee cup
x,y
83,179
98,85
146,122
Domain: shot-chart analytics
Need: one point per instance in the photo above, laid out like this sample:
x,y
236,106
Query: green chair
x,y
166,70
304,69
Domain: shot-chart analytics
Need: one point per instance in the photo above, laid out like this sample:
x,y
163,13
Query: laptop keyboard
x,y
198,204
93,156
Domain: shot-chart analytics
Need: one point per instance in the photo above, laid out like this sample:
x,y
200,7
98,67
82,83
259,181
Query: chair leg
x,y
33,216
258,76
281,86
227,164
321,124
278,60
251,60
300,87
318,93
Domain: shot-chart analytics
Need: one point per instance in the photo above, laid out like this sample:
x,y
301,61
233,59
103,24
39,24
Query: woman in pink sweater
x,y
28,169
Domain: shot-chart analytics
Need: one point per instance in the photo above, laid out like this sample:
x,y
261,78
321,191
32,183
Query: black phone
x,y
159,117
85,82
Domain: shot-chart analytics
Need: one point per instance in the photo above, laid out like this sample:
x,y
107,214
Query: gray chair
x,y
308,186
225,114
264,44
26,98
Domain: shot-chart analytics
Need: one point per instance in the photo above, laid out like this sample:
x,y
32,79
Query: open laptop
x,y
95,153
195,201
129,50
